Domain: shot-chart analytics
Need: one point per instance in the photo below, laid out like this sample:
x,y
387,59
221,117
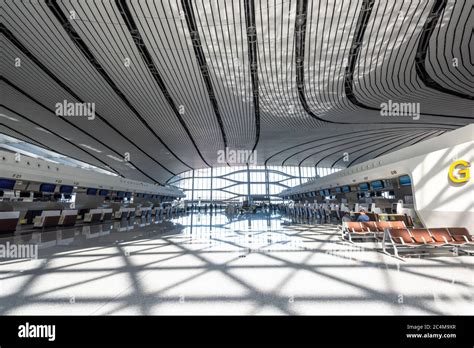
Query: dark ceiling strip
x,y
73,125
300,34
61,137
75,37
423,135
40,144
198,51
30,55
422,51
366,134
300,29
331,137
146,56
432,134
351,144
252,52
363,20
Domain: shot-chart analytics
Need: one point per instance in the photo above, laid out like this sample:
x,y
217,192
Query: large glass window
x,y
236,183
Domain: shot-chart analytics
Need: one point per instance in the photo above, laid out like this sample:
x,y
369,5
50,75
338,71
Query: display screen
x,y
377,185
66,189
364,186
91,191
404,180
327,193
103,192
47,187
8,184
338,190
321,192
346,189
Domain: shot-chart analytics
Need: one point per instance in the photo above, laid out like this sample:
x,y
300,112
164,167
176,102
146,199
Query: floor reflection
x,y
260,231
218,264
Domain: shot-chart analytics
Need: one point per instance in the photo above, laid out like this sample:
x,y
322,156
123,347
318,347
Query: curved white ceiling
x,y
301,82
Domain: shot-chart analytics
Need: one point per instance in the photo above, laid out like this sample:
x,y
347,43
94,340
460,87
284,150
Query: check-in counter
x,y
94,215
106,214
9,221
68,218
48,218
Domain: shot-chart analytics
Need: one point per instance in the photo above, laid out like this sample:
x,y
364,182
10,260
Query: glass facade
x,y
237,183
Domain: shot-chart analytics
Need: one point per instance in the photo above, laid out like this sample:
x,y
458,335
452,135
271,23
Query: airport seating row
x,y
370,230
427,239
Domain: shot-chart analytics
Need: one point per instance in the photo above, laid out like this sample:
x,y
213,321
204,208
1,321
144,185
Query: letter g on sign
x,y
463,173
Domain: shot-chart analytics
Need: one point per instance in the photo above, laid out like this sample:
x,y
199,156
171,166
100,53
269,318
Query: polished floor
x,y
217,264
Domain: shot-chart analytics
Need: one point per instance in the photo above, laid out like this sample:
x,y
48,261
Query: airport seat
x,y
442,235
94,215
106,214
48,218
68,218
382,225
356,230
9,221
369,226
460,234
401,236
399,239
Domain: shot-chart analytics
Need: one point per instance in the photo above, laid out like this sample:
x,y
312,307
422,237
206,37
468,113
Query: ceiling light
x,y
43,130
9,118
90,148
115,158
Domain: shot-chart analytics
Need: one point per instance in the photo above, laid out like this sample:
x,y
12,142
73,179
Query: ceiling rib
x,y
201,59
75,126
252,53
62,138
140,44
422,51
75,37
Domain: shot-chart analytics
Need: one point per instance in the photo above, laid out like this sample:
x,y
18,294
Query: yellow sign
x,y
463,173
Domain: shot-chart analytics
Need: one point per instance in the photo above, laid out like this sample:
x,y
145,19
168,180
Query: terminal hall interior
x,y
243,157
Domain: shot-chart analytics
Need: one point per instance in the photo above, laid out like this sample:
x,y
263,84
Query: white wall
x,y
437,200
